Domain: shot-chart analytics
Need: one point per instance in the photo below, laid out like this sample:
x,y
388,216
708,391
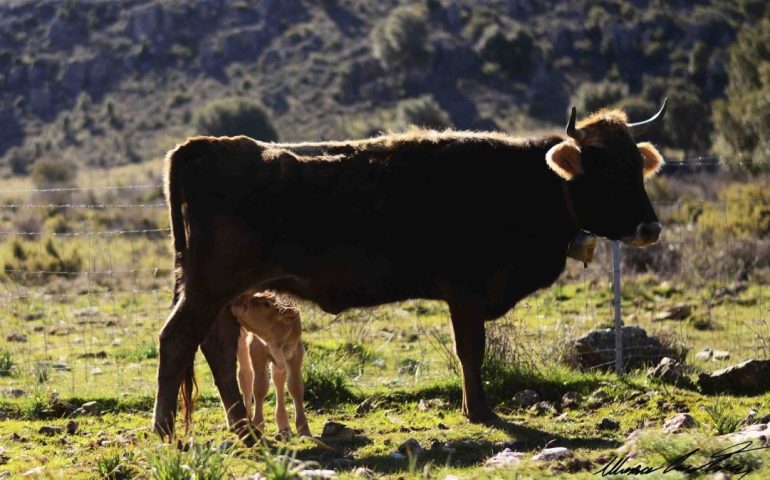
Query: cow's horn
x,y
573,131
640,128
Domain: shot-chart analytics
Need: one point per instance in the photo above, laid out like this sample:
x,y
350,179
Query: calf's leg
x,y
281,417
245,373
221,351
259,363
469,338
297,391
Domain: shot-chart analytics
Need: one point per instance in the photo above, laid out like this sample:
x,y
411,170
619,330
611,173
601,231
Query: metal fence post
x,y
618,316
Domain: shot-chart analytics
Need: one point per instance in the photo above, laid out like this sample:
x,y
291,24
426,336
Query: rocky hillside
x,y
105,83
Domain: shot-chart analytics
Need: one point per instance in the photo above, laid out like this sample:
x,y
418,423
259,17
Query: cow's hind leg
x,y
221,351
469,338
186,327
281,416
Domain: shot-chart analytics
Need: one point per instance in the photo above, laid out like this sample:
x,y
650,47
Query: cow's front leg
x,y
221,351
469,339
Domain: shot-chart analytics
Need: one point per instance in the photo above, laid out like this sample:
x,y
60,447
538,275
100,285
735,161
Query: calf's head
x,y
606,169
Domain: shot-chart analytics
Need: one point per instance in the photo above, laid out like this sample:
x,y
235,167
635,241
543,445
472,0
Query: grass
x,y
722,417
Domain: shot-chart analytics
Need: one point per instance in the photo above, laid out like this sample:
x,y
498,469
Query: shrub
x,y
235,116
422,111
401,39
326,382
115,466
6,363
721,416
511,50
199,462
48,171
590,97
743,211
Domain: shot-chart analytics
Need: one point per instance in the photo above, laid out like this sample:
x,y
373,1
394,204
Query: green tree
x,y
235,116
51,172
422,111
401,39
686,123
742,119
590,97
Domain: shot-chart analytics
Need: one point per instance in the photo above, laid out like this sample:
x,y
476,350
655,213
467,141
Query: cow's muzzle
x,y
646,234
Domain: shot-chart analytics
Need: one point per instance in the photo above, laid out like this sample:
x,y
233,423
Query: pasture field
x,y
81,309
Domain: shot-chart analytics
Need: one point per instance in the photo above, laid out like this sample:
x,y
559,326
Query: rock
x,y
17,337
226,446
720,355
49,430
91,408
719,476
597,398
96,371
411,449
34,472
597,349
704,355
72,427
363,472
571,400
554,453
86,312
749,377
506,458
396,456
525,399
61,367
609,424
759,432
32,316
678,312
318,474
669,371
337,431
679,422
541,408
16,393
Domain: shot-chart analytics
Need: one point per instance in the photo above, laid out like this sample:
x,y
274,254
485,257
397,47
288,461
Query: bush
x,y
590,97
743,211
326,382
116,466
511,50
234,116
6,363
422,111
401,39
199,462
47,172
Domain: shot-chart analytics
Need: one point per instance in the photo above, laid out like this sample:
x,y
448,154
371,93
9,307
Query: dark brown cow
x,y
479,220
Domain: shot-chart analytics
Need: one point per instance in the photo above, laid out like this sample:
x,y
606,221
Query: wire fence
x,y
86,287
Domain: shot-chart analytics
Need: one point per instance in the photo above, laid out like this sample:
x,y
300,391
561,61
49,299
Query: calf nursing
x,y
271,332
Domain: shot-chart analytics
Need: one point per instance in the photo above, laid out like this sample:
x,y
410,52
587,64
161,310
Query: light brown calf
x,y
271,331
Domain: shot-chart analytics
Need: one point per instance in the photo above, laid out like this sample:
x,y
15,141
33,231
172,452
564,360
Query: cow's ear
x,y
651,158
564,159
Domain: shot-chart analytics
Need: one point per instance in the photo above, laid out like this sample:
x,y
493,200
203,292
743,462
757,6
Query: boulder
x,y
759,433
525,399
506,458
669,371
679,422
554,453
571,400
677,312
597,349
750,377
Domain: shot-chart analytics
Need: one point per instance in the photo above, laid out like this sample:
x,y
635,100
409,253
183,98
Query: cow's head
x,y
606,169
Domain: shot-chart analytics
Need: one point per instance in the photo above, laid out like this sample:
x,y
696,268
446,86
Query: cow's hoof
x,y
485,416
249,434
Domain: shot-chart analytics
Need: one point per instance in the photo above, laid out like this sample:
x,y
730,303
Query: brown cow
x,y
479,220
271,333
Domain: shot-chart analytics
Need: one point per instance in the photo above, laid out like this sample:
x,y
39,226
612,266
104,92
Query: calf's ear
x,y
240,305
651,158
564,159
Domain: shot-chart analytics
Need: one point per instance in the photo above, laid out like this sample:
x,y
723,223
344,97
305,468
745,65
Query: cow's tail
x,y
173,186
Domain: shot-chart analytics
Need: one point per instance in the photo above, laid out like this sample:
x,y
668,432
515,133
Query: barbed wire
x,y
78,189
106,233
15,206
